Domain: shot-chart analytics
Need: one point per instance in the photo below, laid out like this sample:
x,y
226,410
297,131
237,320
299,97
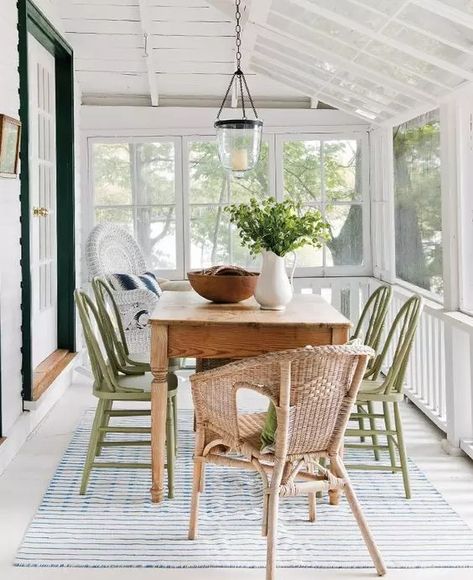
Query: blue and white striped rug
x,y
116,525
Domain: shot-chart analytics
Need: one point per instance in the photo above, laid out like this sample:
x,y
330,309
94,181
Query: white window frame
x,y
275,138
364,269
178,272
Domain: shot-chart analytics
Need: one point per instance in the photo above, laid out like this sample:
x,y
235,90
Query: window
x,y
213,239
135,186
171,193
327,174
417,196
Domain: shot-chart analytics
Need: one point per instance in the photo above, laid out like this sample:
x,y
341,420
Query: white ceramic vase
x,y
273,289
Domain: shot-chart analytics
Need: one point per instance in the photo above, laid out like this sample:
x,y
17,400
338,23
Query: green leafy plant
x,y
279,227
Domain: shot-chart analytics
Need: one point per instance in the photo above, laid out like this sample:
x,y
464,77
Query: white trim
x,y
149,54
35,412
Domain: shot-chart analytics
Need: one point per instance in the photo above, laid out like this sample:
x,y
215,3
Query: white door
x,y
42,193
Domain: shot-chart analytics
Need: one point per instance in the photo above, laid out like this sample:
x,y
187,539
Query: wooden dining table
x,y
185,325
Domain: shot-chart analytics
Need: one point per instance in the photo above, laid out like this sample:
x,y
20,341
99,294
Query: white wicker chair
x,y
111,249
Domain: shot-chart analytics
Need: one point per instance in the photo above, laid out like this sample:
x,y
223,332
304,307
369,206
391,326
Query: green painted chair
x,y
111,387
371,322
369,329
118,352
385,386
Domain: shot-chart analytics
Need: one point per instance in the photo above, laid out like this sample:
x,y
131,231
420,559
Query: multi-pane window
x,y
417,195
327,174
213,239
171,195
135,186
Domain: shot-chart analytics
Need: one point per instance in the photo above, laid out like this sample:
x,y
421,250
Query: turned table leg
x,y
159,388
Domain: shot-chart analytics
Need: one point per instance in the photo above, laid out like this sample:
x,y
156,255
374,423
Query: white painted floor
x,y
24,483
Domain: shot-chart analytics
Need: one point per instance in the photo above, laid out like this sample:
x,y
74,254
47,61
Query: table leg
x,y
159,388
340,335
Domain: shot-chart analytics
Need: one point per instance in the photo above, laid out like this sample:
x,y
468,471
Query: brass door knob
x,y
40,212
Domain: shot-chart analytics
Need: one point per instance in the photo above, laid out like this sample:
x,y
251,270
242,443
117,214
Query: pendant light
x,y
239,140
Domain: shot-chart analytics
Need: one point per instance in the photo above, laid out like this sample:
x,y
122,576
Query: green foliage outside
x,y
135,186
418,202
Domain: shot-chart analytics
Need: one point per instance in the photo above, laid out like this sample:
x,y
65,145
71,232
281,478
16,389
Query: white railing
x,y
439,377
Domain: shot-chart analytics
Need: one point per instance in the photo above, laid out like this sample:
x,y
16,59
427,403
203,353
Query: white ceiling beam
x,y
340,94
415,73
146,22
282,59
351,68
446,11
258,13
288,80
380,37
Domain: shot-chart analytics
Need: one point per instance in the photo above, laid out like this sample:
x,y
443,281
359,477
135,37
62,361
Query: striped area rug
x,y
116,525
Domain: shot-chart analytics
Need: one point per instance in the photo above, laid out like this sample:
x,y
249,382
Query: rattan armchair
x,y
313,390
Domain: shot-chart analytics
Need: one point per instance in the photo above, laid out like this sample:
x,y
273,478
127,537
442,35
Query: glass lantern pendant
x,y
239,140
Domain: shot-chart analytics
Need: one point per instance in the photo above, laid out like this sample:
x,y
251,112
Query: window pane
x,y
302,170
156,236
346,227
208,182
210,236
112,174
122,216
418,217
155,169
342,170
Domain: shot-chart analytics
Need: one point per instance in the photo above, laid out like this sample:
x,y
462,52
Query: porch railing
x,y
440,374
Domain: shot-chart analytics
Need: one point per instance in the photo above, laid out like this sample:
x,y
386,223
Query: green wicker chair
x,y
386,388
369,329
110,387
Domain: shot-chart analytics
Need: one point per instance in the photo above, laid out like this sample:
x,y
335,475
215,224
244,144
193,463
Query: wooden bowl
x,y
225,289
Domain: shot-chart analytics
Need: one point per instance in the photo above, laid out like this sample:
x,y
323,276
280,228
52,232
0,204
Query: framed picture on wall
x,y
9,146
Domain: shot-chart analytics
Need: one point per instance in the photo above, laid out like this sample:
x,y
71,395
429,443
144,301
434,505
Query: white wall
x,y
10,271
10,251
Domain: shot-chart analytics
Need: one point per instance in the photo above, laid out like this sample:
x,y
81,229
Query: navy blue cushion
x,y
146,281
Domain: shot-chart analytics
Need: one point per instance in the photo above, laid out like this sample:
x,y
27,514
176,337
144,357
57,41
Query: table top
x,y
188,308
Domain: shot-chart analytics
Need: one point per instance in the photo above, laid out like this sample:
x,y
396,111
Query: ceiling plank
x,y
449,12
146,23
291,41
380,37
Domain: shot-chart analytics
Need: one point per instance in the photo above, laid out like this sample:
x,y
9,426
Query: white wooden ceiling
x,y
374,58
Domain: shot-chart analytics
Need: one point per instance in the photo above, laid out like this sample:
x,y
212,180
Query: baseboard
x,y
35,412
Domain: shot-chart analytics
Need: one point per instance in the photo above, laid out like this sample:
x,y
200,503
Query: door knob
x,y
40,212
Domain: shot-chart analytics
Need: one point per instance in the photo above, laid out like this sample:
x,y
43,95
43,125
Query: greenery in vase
x,y
279,227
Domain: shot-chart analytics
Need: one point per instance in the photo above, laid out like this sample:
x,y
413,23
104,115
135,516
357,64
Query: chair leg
x,y
273,509
374,438
312,498
361,422
105,421
93,442
402,450
170,446
355,507
199,465
387,423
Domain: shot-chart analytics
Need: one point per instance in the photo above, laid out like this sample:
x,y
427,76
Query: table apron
x,y
227,341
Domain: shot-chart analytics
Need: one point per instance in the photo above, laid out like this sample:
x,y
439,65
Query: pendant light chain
x,y
238,34
242,84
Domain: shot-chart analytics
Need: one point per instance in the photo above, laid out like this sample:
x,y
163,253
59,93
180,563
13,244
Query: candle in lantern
x,y
239,160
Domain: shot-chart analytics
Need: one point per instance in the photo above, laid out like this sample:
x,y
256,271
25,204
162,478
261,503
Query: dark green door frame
x,y
31,20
